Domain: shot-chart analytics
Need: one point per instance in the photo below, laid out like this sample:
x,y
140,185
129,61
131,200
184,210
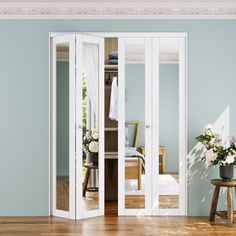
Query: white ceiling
x,y
125,1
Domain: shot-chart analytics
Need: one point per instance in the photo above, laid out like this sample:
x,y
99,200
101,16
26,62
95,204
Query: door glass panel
x,y
168,170
90,116
62,127
134,124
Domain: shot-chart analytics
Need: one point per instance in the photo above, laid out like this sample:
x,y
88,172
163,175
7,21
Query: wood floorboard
x,y
131,226
91,199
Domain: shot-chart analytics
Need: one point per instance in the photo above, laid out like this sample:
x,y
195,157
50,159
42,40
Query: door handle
x,y
148,126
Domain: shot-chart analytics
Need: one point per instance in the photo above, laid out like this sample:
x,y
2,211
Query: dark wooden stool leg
x,y
214,203
230,206
86,179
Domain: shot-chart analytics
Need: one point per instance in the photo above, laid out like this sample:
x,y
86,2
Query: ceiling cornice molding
x,y
109,10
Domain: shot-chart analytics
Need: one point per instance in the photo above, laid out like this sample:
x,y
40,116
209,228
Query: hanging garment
x,y
113,113
91,73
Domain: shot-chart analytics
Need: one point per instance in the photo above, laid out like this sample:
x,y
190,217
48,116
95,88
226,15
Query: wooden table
x,y
162,154
230,213
87,175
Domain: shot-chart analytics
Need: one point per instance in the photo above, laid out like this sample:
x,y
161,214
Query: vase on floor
x,y
226,172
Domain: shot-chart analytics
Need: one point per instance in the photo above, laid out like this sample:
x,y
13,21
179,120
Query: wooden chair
x,y
162,157
86,180
133,167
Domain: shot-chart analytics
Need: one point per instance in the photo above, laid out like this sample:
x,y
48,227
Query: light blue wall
x,y
135,107
169,112
62,118
134,99
24,87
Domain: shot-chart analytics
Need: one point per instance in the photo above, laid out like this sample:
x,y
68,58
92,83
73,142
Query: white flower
x,y
207,129
216,134
94,147
95,135
210,157
227,143
230,159
212,142
209,126
223,163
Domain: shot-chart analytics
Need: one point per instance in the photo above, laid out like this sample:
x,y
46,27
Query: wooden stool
x,y
86,179
229,214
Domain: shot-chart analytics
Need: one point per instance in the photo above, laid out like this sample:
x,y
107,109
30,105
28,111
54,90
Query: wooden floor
x,y
113,226
91,199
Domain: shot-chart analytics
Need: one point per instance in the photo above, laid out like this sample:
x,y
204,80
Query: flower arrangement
x,y
216,151
90,141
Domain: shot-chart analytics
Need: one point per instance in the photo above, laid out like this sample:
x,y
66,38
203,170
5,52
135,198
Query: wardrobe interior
x,y
111,125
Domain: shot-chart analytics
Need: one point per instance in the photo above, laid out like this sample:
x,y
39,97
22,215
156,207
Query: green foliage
x,y
216,152
84,103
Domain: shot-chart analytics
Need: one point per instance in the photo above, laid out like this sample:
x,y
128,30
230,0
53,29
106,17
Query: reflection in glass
x,y
168,179
135,121
62,128
90,116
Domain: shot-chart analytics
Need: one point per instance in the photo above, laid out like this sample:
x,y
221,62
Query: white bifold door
x,y
152,125
77,85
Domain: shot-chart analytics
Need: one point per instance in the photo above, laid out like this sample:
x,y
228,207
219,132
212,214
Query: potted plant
x,y
218,152
91,145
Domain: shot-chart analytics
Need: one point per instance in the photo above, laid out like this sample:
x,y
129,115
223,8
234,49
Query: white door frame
x,y
70,39
182,210
146,42
81,213
183,107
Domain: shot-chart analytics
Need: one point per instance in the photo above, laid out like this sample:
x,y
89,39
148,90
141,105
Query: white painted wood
x,y
186,125
126,34
124,43
121,127
151,114
101,129
50,170
155,125
152,121
182,210
79,129
53,129
81,212
148,126
70,40
72,126
182,126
